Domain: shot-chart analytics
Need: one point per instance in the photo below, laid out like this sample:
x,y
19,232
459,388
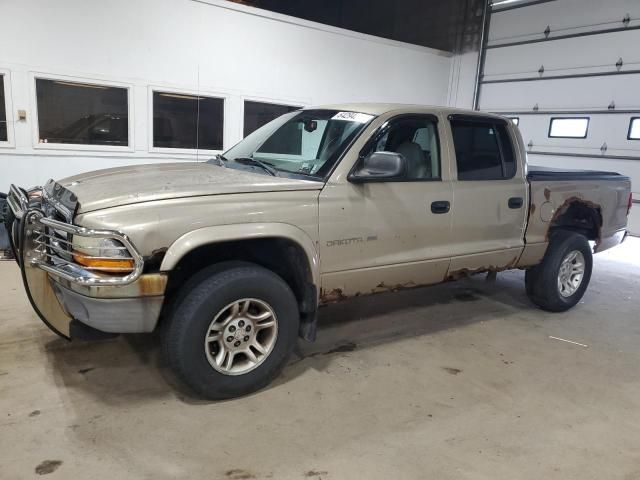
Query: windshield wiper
x,y
219,160
252,161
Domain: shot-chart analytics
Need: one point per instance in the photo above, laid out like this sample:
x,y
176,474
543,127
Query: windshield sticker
x,y
352,117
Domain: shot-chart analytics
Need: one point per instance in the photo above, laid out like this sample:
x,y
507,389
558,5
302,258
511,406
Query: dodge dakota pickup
x,y
231,258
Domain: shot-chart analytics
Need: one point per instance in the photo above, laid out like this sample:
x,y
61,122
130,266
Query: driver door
x,y
387,235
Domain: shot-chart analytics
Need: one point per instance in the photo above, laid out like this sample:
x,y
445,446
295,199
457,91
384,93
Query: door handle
x,y
515,202
440,206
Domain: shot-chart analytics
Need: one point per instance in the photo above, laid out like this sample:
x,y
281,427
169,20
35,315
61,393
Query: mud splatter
x,y
48,466
466,297
451,370
315,473
347,347
239,474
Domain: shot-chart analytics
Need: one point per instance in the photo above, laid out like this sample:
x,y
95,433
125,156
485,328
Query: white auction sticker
x,y
352,117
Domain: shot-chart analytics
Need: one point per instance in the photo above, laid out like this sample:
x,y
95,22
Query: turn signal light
x,y
108,265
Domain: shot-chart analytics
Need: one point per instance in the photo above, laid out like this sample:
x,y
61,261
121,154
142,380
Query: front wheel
x,y
560,280
232,331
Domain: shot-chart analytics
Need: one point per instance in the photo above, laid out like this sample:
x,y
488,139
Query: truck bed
x,y
604,197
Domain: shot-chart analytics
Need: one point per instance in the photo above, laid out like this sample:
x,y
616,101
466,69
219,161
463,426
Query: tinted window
x,y
257,114
82,113
506,147
416,139
3,112
187,121
483,150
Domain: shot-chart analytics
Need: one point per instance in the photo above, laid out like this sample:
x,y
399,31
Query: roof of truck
x,y
382,108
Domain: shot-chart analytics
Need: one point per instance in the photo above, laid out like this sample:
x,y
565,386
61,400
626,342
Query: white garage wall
x,y
569,71
212,47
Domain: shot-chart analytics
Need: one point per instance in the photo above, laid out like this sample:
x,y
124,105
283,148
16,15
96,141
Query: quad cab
x,y
231,258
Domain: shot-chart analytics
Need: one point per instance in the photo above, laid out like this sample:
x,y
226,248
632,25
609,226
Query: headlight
x,y
104,254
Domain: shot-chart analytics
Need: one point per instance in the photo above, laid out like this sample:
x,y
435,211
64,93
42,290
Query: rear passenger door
x,y
490,194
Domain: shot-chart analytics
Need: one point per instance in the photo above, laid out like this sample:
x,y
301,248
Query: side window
x,y
187,121
483,150
416,139
82,113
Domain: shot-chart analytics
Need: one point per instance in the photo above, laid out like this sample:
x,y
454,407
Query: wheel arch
x,y
580,216
282,248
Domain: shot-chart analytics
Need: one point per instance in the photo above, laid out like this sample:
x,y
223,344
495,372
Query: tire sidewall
x,y
562,244
192,318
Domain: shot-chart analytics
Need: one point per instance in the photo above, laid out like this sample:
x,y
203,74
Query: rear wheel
x,y
232,331
560,280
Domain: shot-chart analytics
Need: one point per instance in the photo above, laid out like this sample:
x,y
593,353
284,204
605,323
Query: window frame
x,y
517,120
278,102
8,105
382,130
35,128
492,121
586,131
629,137
151,89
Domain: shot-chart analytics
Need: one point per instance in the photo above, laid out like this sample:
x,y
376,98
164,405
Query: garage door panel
x,y
576,93
562,16
611,129
565,57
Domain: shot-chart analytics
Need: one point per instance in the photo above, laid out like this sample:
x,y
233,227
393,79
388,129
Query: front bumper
x,y
111,315
59,297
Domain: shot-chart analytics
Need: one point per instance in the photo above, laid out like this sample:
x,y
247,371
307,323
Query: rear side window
x,y
483,150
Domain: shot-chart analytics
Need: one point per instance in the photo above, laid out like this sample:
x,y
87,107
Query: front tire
x,y
232,330
560,280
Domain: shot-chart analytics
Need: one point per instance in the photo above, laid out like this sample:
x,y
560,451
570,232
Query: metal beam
x,y
564,37
569,112
519,5
584,155
562,77
486,21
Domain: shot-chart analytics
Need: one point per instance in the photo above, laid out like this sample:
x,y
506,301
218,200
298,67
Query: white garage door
x,y
569,71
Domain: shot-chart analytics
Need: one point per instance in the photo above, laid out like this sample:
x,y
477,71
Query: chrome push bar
x,y
44,251
71,271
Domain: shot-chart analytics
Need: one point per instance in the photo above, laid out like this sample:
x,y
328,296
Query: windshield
x,y
305,142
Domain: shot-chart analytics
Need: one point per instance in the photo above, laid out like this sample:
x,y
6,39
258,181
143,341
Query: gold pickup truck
x,y
231,258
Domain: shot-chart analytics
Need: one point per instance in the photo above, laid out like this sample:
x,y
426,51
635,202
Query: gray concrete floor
x,y
457,381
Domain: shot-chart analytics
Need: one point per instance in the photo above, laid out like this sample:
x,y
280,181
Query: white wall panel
x,y
562,16
575,93
597,53
213,47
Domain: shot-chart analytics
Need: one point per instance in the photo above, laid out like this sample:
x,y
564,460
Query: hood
x,y
143,183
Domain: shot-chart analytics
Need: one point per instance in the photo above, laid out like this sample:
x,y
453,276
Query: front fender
x,y
242,231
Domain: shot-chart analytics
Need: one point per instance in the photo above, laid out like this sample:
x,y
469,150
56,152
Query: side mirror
x,y
379,166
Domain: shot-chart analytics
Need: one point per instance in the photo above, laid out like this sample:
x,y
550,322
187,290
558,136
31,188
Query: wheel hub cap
x,y
241,336
571,273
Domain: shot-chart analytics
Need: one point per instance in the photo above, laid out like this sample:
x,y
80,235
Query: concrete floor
x,y
457,381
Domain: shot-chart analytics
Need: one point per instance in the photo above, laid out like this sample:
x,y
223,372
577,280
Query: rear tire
x,y
231,331
560,280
